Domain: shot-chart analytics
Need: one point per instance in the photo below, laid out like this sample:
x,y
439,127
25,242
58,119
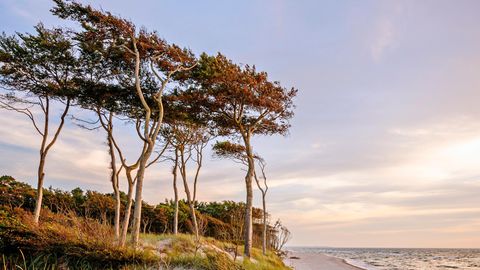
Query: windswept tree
x,y
187,135
237,153
263,187
100,92
37,73
243,103
282,236
187,140
105,115
144,54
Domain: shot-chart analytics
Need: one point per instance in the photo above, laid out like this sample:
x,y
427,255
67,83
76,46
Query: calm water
x,y
404,259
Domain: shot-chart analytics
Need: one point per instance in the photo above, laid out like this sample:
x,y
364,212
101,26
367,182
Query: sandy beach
x,y
316,261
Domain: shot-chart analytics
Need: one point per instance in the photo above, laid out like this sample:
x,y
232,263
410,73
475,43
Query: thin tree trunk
x,y
114,173
248,215
118,207
123,228
41,175
116,191
41,164
199,166
249,199
175,191
183,171
264,191
264,236
145,226
137,214
149,136
126,218
43,153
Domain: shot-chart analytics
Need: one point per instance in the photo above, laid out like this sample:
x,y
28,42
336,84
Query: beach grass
x,y
66,241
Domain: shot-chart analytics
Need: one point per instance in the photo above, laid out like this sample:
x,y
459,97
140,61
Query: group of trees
x,y
176,102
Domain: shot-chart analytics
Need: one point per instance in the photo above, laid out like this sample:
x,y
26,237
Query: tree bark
x,y
199,161
116,191
264,235
137,214
249,199
41,175
126,218
183,170
175,191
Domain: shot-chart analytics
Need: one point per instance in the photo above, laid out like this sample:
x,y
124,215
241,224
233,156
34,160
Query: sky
x,y
384,148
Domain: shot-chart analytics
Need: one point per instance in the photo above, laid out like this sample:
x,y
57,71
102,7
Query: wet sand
x,y
316,261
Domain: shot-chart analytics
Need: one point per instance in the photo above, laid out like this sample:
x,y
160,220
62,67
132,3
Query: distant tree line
x,y
174,102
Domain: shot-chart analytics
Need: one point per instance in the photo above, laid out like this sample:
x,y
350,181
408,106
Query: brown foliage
x,y
242,99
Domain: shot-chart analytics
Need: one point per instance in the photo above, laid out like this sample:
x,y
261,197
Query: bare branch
x,y
59,128
159,155
24,111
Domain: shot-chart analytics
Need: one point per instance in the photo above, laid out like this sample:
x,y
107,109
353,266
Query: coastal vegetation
x,y
176,103
75,232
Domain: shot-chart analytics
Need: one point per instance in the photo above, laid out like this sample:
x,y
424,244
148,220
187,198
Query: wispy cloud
x,y
386,29
383,40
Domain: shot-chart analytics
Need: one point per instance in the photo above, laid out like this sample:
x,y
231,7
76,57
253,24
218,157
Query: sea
x,y
402,258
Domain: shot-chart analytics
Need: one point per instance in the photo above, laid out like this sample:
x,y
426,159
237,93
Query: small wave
x,y
360,264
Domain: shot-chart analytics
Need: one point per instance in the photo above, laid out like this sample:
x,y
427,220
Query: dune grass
x,y
66,241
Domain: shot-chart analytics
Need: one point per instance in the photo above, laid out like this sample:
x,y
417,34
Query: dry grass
x,y
66,241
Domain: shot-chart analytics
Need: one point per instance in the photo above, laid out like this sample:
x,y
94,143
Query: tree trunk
x,y
145,224
116,191
199,166
118,207
149,137
249,199
264,235
183,170
264,206
126,218
137,214
44,151
41,175
41,164
175,191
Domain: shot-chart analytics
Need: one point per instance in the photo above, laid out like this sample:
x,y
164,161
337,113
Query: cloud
x,y
384,39
429,170
386,29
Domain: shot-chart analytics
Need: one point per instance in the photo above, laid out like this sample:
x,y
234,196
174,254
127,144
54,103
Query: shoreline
x,y
317,261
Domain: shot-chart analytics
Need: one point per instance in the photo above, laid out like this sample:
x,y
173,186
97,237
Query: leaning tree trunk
x,y
41,165
175,191
264,208
44,151
116,191
137,214
149,136
128,208
41,175
183,170
249,199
